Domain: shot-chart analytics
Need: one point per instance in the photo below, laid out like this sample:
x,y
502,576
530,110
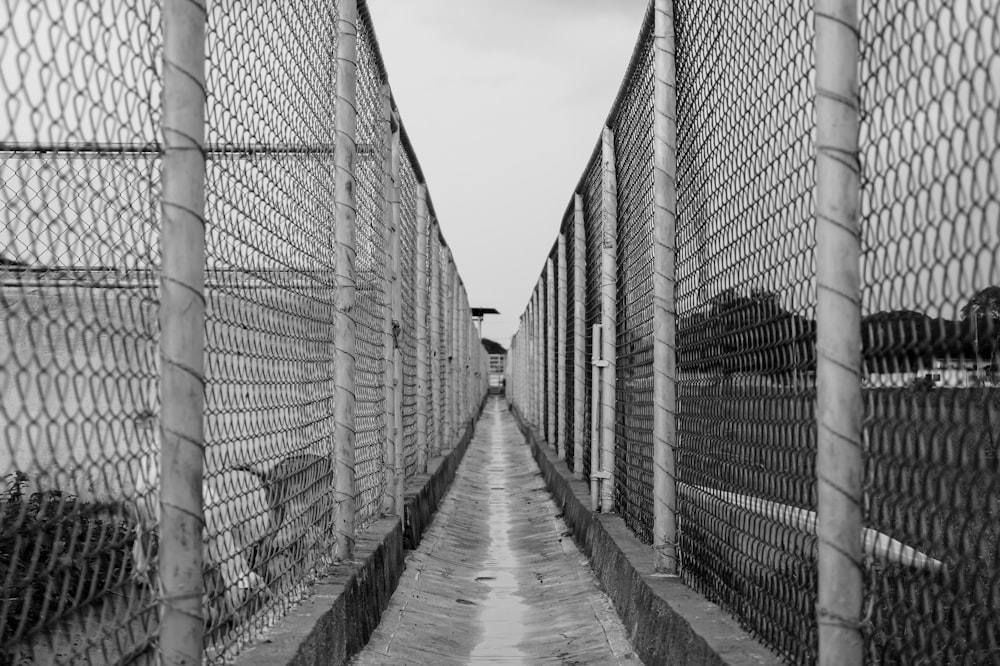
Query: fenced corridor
x,y
238,362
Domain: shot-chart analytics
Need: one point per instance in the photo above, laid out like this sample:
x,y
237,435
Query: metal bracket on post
x,y
601,363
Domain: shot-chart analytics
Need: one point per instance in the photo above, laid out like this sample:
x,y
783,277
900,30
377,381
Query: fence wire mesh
x,y
408,326
372,260
633,134
80,184
745,307
269,309
593,230
78,354
931,325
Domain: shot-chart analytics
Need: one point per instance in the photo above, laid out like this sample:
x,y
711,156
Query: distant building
x,y
498,360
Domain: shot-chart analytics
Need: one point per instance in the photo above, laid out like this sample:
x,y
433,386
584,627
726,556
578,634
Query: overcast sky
x,y
504,101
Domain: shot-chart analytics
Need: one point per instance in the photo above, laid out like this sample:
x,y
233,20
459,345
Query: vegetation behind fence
x,y
685,295
241,241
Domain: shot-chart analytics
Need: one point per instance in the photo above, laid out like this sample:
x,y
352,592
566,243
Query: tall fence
x,y
232,329
780,275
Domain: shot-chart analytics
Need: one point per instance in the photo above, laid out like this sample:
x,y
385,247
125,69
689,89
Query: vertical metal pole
x,y
550,350
609,308
561,343
664,283
435,336
839,459
540,357
345,154
182,325
390,170
579,334
595,419
398,476
423,332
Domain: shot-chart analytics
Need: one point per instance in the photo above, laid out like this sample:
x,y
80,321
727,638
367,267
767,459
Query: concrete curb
x,y
668,622
343,609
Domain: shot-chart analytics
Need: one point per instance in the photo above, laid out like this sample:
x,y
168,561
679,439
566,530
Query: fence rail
x,y
804,336
217,301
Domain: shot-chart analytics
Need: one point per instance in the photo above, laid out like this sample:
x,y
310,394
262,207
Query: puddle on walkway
x,y
503,613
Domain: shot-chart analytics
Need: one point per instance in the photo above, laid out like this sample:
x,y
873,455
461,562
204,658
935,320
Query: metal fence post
x,y
423,333
595,418
579,334
664,283
433,242
609,306
182,323
345,153
550,351
391,227
563,405
839,459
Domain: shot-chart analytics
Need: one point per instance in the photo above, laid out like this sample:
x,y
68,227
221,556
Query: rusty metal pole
x,y
182,324
839,459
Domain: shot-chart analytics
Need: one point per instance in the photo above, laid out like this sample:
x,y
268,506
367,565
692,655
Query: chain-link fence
x,y
741,486
86,262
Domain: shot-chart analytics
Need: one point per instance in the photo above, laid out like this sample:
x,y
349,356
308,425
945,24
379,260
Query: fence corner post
x,y
664,291
182,320
345,153
839,459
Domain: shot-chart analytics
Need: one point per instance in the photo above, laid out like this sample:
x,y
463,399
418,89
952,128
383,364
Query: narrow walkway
x,y
497,578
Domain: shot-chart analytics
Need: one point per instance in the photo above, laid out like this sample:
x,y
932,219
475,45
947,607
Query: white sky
x,y
504,101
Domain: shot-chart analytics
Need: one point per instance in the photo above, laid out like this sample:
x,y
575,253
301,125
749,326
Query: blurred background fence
x,y
84,159
684,295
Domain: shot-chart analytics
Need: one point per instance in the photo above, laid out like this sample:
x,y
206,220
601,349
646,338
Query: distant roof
x,y
479,312
493,347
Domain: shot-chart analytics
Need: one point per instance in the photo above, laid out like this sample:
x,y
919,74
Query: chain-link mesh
x,y
931,327
745,303
593,232
568,343
408,326
372,261
79,188
269,308
632,125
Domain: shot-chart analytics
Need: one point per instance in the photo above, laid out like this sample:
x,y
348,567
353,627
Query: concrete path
x,y
497,578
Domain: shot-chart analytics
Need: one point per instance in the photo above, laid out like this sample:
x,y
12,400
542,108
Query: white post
x,y
579,334
839,459
437,434
182,322
423,332
595,419
664,283
393,293
550,350
345,153
609,308
561,442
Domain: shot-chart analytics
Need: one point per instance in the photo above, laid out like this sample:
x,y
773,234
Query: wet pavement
x,y
497,578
